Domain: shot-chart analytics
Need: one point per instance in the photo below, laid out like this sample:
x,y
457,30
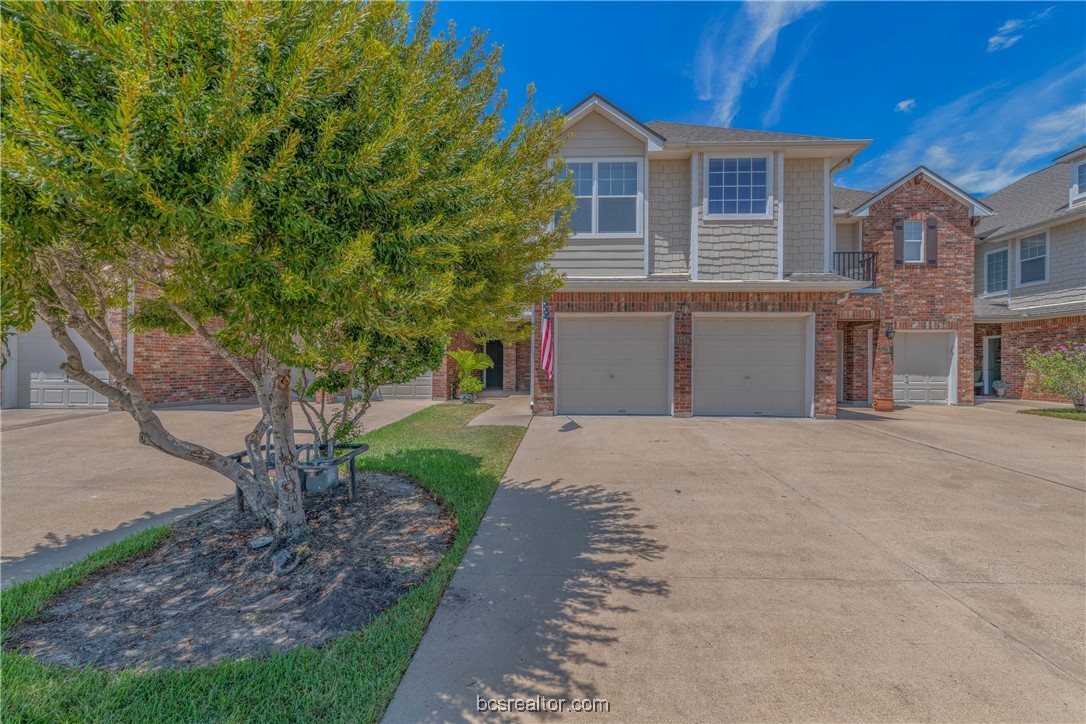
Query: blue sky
x,y
981,92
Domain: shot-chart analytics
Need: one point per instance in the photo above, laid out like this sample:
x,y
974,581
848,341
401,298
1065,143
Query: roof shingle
x,y
848,199
690,133
1035,199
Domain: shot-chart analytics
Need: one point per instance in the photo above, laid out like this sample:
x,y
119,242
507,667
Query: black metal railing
x,y
858,265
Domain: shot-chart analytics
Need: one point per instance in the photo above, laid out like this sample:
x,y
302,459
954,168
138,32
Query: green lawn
x,y
352,679
1056,412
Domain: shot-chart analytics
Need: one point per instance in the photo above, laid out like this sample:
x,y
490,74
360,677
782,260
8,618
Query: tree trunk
x,y
126,391
290,517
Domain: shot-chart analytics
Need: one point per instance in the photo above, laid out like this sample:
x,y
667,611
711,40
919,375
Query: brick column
x,y
682,382
509,367
825,392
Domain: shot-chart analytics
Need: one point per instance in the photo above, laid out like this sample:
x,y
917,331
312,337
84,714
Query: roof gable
x,y
598,104
976,207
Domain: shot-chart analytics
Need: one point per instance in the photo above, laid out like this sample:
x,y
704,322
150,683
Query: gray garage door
x,y
612,365
922,366
41,383
749,366
417,389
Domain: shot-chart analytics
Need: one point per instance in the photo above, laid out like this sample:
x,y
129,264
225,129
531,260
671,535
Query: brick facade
x,y
854,339
523,366
922,296
516,367
683,305
1021,336
179,369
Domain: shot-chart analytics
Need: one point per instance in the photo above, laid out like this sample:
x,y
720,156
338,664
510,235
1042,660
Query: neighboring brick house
x,y
174,370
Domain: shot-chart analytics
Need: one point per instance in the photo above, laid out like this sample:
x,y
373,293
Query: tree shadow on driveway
x,y
533,605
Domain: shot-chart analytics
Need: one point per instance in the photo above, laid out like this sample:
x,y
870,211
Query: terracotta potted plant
x,y
884,404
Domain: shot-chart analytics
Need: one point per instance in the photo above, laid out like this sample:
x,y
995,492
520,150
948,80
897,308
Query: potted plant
x,y
1060,371
468,362
883,404
1000,388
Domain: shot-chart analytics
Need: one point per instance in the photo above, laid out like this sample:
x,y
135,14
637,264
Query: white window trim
x,y
769,196
1077,192
639,213
985,292
923,241
1018,261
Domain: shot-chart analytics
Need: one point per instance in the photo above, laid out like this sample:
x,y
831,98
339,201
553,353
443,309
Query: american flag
x,y
546,352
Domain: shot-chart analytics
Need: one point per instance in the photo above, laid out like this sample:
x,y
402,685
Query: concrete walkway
x,y
925,565
513,410
74,481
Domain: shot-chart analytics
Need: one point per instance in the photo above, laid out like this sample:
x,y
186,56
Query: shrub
x,y
468,362
471,386
1060,370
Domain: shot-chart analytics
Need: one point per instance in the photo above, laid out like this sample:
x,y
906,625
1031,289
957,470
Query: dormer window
x,y
609,198
1078,181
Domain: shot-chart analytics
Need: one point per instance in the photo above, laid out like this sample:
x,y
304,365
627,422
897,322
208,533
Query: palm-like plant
x,y
468,362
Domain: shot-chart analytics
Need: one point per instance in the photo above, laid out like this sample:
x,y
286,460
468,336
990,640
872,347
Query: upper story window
x,y
738,187
609,198
996,268
1033,259
1078,181
914,241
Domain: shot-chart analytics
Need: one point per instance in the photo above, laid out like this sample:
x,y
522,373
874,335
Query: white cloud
x,y
784,85
906,106
730,58
1012,30
989,137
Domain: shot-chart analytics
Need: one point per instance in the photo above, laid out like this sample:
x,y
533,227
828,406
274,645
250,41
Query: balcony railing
x,y
858,265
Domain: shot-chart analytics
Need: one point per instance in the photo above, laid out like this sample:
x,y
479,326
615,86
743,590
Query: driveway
x,y
73,481
925,565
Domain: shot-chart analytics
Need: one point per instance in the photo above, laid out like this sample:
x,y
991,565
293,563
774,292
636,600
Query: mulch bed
x,y
205,596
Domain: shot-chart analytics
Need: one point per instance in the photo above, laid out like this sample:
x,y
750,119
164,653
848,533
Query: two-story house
x,y
1031,272
716,271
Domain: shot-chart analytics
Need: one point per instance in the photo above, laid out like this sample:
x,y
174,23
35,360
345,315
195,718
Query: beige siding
x,y
804,215
847,236
1066,269
601,258
669,216
737,249
594,135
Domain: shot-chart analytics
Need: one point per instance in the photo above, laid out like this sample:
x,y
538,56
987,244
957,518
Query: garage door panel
x,y
922,367
420,388
612,365
749,366
41,383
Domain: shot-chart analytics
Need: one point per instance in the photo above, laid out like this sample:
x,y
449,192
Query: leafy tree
x,y
385,361
263,175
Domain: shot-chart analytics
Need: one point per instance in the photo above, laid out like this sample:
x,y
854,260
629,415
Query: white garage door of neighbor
x,y
40,381
749,366
419,388
922,363
615,365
